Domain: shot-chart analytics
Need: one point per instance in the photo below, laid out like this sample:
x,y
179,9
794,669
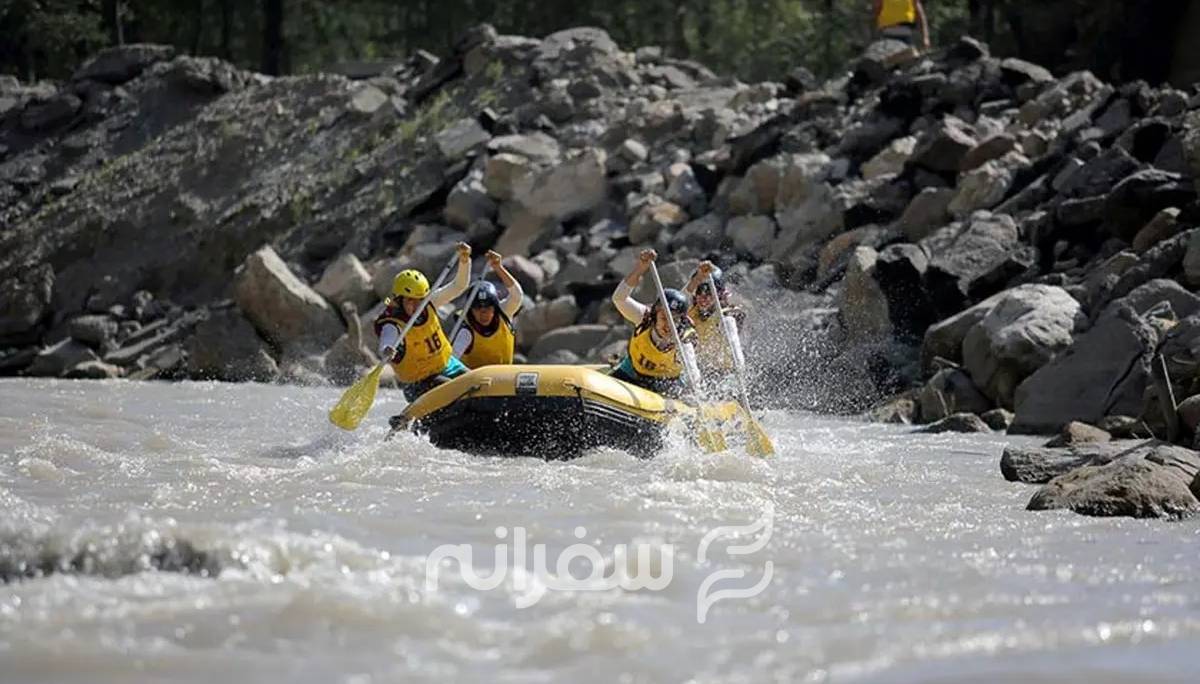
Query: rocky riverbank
x,y
964,234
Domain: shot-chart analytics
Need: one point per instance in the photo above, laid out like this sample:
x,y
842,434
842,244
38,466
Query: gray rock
x,y
57,359
538,148
96,331
948,392
461,137
1191,259
704,233
1074,433
41,115
928,210
570,189
994,147
94,370
1039,465
226,347
1022,332
1104,372
985,186
1163,226
997,419
503,173
349,358
1139,196
1189,413
346,280
1098,176
1017,72
654,218
525,230
468,202
959,422
965,253
944,339
367,100
685,191
123,63
1152,482
1155,292
751,235
577,339
862,304
536,320
943,147
891,159
528,273
282,308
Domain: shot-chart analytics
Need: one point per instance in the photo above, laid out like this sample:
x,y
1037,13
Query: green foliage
x,y
752,39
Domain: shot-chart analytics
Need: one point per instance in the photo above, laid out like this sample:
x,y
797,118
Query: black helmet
x,y
677,302
486,295
718,279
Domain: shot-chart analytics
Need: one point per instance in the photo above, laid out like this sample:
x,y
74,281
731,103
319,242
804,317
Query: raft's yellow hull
x,y
549,412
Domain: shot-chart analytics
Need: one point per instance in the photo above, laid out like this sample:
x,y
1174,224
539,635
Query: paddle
x,y
759,442
357,400
462,317
711,440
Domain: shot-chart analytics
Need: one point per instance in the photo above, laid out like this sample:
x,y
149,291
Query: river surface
x,y
208,532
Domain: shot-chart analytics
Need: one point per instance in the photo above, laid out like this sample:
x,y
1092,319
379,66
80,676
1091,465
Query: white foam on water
x,y
895,557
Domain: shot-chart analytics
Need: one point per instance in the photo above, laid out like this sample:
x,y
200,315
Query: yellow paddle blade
x,y
711,441
758,442
357,400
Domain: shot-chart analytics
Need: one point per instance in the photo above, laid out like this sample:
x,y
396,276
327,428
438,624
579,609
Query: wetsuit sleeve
x,y
462,340
631,309
389,336
512,303
450,291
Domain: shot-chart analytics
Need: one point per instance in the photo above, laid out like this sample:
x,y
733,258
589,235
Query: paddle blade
x,y
357,401
712,441
758,442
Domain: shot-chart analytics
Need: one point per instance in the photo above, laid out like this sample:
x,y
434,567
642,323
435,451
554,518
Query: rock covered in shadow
x,y
1150,481
959,422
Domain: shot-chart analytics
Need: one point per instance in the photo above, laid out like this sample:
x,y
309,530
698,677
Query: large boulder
x,y
226,347
1150,482
943,148
346,280
578,339
948,392
958,422
891,159
58,359
944,339
535,321
1104,372
1022,332
653,219
24,304
751,235
861,303
1040,464
503,173
928,210
572,188
984,187
461,137
116,65
966,253
283,309
468,202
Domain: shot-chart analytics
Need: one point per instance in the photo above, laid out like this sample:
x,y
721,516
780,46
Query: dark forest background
x,y
752,39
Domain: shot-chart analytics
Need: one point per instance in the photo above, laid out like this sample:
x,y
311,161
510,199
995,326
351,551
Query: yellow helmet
x,y
411,283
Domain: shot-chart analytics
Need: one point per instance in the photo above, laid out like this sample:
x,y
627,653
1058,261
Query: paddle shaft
x,y
693,382
462,317
739,370
412,320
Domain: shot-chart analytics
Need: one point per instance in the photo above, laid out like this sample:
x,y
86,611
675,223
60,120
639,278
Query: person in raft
x,y
652,361
487,337
423,359
713,352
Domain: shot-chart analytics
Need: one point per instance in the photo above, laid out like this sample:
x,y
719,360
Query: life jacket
x,y
896,12
426,349
647,359
712,350
490,347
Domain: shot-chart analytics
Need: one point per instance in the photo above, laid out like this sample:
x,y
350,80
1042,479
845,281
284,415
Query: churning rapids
x,y
194,532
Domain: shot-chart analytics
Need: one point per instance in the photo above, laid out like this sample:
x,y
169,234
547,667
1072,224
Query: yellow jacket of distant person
x,y
896,12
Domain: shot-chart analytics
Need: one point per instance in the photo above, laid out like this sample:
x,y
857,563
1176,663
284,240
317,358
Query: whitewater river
x,y
296,554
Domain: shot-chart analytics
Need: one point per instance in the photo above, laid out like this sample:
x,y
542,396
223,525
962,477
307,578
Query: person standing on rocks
x,y
652,361
423,359
713,351
901,20
487,338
